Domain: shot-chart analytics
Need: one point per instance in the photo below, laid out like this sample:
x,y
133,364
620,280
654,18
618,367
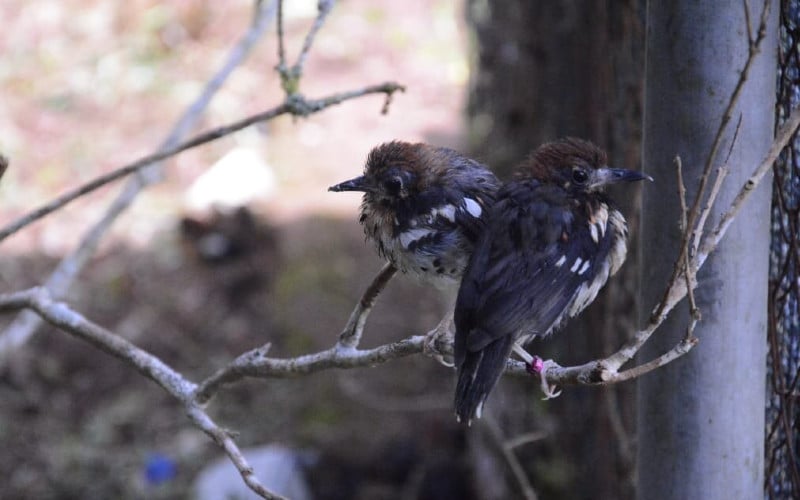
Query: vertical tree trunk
x,y
701,419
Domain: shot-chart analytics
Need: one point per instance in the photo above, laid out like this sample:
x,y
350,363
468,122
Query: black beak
x,y
357,184
608,175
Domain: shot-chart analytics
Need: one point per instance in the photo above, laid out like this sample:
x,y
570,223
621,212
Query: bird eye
x,y
393,185
579,176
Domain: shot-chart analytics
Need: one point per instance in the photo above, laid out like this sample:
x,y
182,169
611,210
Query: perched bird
x,y
422,208
551,240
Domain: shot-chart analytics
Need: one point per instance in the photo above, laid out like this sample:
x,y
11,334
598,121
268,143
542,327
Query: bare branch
x,y
290,77
748,24
255,364
281,67
722,172
231,373
224,441
63,317
325,7
683,347
782,138
689,272
351,335
296,105
682,223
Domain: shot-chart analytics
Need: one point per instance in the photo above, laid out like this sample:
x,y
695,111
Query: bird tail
x,y
478,372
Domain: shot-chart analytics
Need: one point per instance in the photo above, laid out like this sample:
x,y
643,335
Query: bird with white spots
x,y
550,242
423,207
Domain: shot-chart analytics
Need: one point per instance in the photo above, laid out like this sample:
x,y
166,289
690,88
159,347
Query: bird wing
x,y
445,221
526,270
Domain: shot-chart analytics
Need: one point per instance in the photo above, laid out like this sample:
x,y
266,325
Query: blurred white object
x,y
278,468
238,179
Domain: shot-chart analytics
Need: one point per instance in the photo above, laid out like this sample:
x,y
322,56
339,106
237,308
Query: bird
x,y
422,208
549,243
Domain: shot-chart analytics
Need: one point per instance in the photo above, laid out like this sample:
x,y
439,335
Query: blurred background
x,y
87,86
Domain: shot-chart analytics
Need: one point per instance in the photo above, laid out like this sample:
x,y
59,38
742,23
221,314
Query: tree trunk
x,y
701,419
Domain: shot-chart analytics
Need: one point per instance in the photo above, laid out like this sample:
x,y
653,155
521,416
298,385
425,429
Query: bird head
x,y
575,165
394,171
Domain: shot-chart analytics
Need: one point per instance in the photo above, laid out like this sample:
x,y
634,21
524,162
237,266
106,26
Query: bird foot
x,y
442,334
538,366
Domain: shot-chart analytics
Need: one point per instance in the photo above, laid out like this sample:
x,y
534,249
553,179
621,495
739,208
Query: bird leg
x,y
443,333
537,366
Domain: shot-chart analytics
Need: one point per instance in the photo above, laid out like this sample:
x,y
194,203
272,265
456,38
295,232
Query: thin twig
x,y
748,24
223,439
255,363
680,349
682,223
324,8
782,138
351,335
688,271
290,77
296,106
281,47
722,172
733,139
229,374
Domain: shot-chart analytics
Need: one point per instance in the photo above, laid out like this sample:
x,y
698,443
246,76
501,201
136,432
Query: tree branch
x,y
351,335
223,439
295,105
290,77
60,315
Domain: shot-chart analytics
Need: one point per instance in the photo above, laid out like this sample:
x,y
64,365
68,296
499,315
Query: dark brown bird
x,y
550,243
422,208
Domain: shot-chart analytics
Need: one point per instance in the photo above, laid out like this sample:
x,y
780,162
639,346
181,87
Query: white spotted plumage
x,y
473,207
